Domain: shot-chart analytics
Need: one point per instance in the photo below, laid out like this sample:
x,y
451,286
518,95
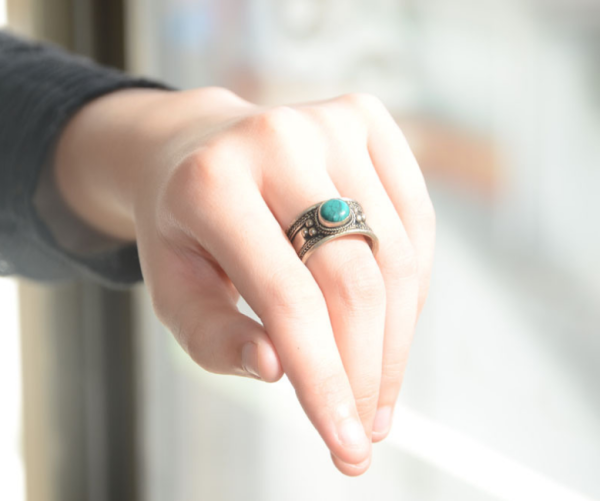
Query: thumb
x,y
197,302
224,341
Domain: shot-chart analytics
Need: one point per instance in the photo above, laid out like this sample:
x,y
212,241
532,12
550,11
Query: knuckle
x,y
291,139
363,101
193,342
322,115
367,399
360,285
201,171
399,262
405,265
191,330
210,166
329,387
276,122
191,337
194,335
295,301
200,179
392,373
212,93
329,123
222,93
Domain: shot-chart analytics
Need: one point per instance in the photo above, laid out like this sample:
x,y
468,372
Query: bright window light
x,y
475,463
11,458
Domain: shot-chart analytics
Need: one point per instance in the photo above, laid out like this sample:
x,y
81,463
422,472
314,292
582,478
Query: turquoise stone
x,y
335,210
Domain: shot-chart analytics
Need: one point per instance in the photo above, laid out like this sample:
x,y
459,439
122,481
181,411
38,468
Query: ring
x,y
327,220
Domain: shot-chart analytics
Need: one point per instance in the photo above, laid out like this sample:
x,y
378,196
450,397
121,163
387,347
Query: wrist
x,y
115,145
95,165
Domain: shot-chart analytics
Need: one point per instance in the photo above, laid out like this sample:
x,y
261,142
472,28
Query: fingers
x,y
194,299
281,290
398,264
355,293
344,269
403,181
376,167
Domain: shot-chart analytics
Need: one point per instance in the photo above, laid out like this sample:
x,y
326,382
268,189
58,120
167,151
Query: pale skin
x,y
206,183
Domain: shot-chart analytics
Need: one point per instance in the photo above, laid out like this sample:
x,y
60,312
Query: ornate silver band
x,y
326,221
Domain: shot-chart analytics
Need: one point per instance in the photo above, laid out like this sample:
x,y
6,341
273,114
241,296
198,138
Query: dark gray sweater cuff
x,y
41,88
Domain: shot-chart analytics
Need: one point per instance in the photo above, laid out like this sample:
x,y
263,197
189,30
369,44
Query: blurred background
x,y
500,100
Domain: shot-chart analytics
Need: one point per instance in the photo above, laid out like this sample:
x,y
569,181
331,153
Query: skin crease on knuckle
x,y
209,168
393,372
359,285
397,257
402,266
282,140
294,302
327,390
206,352
367,398
275,122
196,187
363,102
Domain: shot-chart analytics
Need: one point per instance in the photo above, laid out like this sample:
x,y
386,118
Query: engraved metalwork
x,y
308,232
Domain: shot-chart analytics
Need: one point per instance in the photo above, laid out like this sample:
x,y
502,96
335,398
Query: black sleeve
x,y
41,87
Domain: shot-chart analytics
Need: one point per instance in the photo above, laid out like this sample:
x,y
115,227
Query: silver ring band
x,y
326,221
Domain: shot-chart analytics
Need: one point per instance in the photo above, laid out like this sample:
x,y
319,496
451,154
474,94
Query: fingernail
x,y
382,421
351,433
250,359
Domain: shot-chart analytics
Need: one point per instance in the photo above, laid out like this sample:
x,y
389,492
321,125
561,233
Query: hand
x,y
207,183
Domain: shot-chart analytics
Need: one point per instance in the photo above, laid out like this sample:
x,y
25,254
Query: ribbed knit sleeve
x,y
41,88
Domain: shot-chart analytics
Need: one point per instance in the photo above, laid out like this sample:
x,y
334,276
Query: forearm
x,y
41,89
